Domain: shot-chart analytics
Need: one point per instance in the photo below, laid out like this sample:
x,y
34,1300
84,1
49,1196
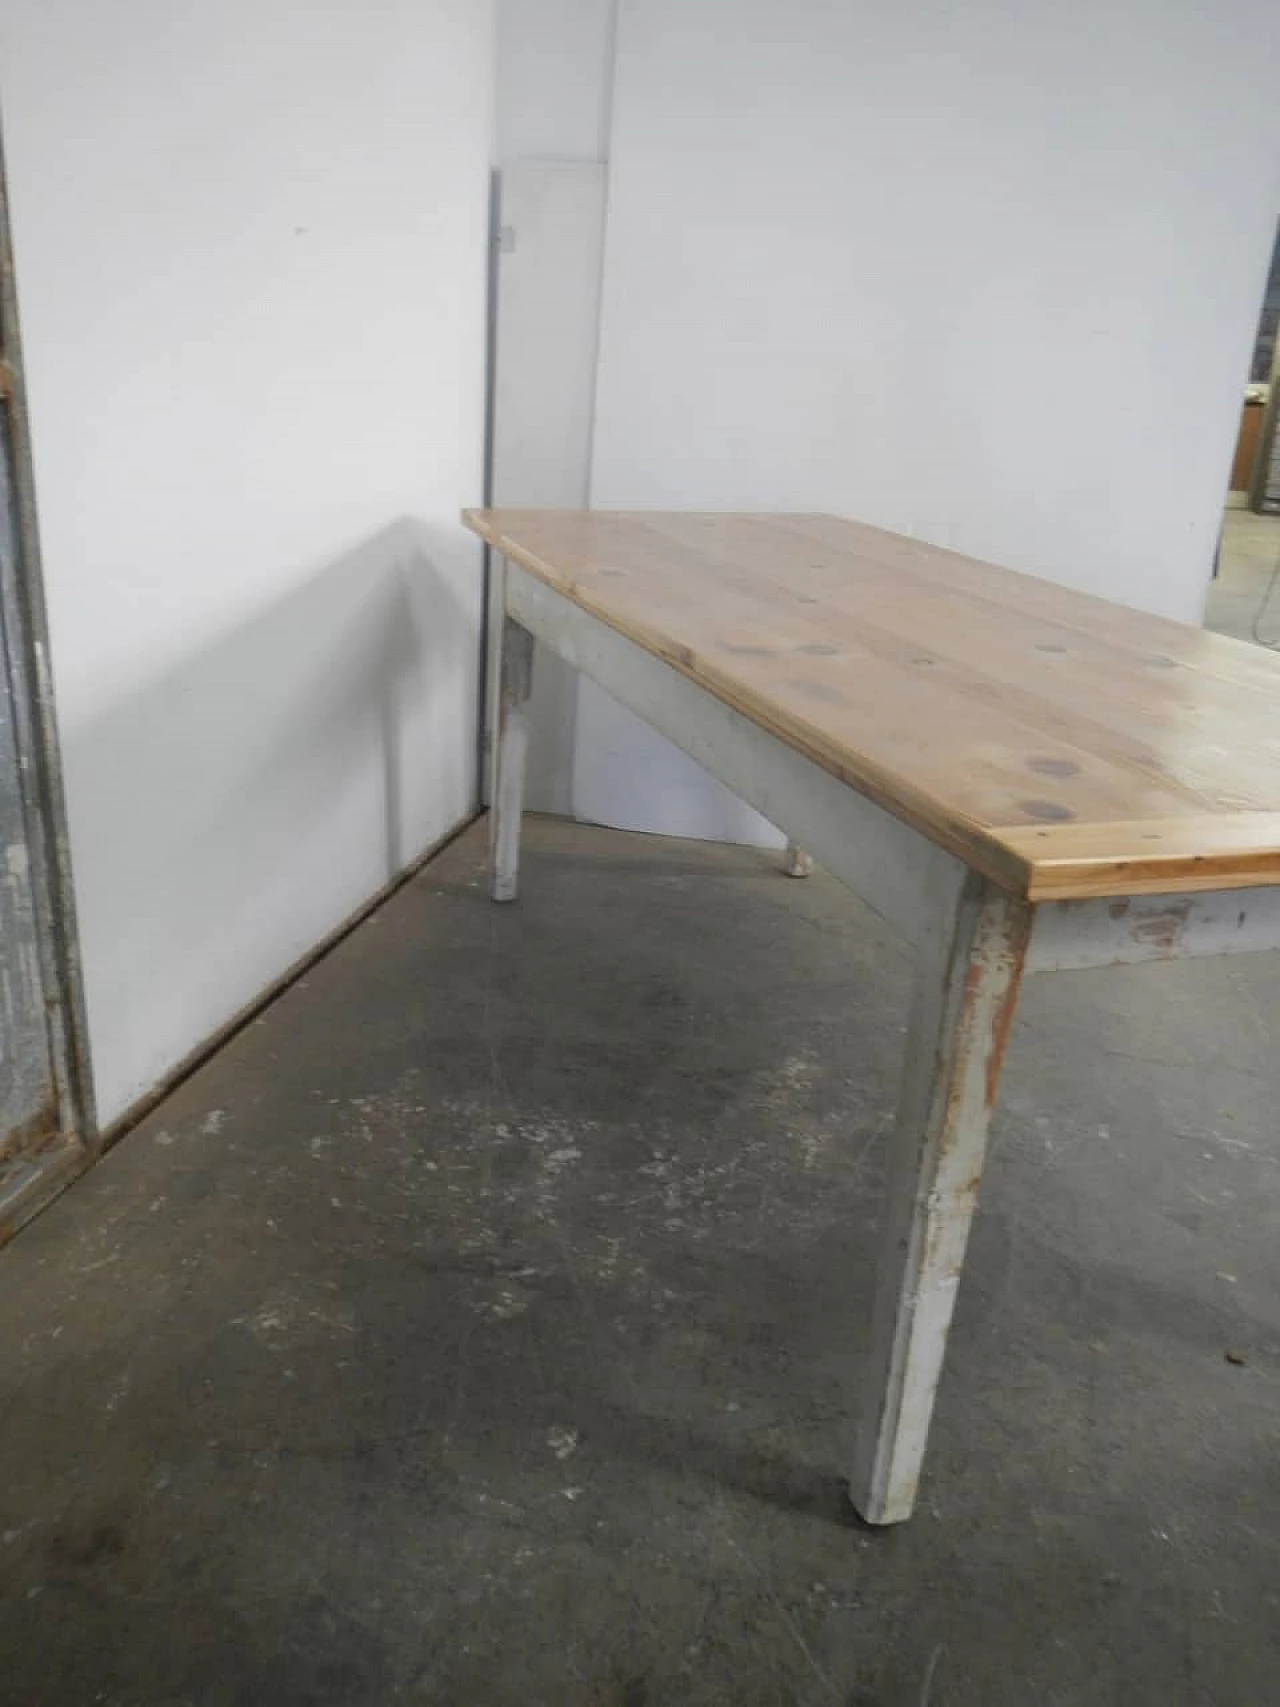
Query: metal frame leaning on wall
x,y
72,1144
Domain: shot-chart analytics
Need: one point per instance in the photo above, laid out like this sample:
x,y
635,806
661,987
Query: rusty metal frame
x,y
71,1142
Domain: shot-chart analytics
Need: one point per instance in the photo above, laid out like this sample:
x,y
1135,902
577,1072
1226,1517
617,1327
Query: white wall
x,y
982,272
251,254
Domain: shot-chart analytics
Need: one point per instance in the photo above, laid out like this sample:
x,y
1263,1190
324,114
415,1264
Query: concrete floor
x,y
1249,553
480,1327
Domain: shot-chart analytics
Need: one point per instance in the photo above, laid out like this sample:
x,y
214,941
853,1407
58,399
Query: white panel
x,y
555,76
987,274
251,259
628,776
548,323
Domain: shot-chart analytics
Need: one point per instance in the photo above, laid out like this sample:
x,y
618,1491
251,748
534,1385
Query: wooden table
x,y
1017,777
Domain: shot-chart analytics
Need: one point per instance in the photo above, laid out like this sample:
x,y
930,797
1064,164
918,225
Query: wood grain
x,y
1062,744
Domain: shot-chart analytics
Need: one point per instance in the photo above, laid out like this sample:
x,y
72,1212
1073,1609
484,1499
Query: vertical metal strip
x,y
489,625
27,641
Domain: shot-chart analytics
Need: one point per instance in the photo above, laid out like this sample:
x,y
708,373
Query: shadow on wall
x,y
230,812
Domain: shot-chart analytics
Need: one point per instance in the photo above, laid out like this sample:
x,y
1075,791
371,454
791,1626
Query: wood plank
x,y
1149,856
1135,635
862,659
1057,742
1069,683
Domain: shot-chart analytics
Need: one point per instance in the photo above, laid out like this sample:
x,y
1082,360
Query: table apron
x,y
896,869
1124,930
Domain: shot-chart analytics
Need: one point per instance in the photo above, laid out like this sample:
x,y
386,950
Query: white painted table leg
x,y
967,978
797,862
515,681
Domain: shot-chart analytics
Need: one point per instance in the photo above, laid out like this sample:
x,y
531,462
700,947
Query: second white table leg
x,y
514,683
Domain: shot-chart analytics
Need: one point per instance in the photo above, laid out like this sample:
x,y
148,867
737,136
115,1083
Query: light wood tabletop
x,y
1061,744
